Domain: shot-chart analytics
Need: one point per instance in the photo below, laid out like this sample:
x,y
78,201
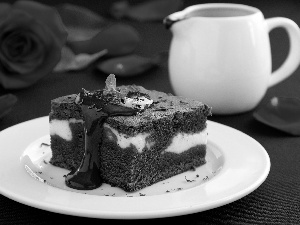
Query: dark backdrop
x,y
276,201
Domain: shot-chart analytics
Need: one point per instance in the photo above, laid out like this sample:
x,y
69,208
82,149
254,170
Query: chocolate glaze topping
x,y
96,108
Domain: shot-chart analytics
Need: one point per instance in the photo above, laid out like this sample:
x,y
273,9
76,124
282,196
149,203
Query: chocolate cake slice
x,y
164,139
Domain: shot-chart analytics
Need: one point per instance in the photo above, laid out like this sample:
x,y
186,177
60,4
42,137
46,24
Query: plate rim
x,y
77,211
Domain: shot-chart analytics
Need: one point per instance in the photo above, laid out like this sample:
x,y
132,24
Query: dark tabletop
x,y
276,201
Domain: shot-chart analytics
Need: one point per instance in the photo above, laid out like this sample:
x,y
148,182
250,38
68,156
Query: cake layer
x,y
166,109
126,159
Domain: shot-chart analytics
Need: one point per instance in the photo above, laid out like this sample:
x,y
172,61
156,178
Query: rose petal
x,y
21,21
4,10
146,11
6,103
281,113
118,39
81,23
130,65
17,45
26,61
70,61
46,15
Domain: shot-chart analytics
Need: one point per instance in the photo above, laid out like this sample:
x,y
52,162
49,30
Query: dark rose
x,y
31,38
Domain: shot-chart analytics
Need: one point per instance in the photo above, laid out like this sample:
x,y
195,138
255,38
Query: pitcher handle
x,y
292,61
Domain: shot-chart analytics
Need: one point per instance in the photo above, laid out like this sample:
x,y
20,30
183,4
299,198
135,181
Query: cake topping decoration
x,y
137,100
110,94
111,83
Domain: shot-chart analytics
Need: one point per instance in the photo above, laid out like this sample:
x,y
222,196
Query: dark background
x,y
276,201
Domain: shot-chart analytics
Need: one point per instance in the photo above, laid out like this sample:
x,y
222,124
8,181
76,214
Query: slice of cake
x,y
162,136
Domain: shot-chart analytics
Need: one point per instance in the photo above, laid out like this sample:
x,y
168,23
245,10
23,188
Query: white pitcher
x,y
220,54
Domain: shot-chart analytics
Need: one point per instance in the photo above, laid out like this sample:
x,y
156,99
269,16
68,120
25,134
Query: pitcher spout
x,y
173,18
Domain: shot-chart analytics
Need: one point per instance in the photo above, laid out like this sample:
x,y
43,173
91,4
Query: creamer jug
x,y
220,54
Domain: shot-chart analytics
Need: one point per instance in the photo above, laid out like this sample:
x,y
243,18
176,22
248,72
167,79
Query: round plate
x,y
237,165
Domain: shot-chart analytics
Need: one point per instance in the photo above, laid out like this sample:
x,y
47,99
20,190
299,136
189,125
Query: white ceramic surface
x,y
242,163
220,54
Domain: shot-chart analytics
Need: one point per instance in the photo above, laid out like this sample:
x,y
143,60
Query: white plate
x,y
237,165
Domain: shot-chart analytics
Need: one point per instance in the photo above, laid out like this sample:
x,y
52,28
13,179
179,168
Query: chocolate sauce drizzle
x,y
96,108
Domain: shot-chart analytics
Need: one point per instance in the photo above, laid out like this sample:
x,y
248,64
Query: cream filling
x,y
62,128
183,141
180,142
124,141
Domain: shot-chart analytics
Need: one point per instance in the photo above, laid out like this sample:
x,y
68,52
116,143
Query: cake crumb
x,y
187,180
206,178
44,144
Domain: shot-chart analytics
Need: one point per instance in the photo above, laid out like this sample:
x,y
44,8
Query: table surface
x,y
276,201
